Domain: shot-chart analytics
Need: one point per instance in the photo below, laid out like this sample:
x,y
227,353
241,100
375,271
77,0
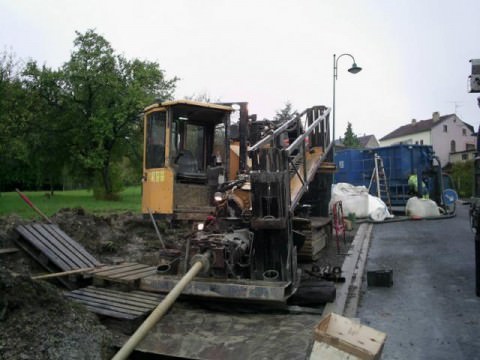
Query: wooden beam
x,y
9,250
63,273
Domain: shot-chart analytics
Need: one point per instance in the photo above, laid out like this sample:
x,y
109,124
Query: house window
x,y
464,156
421,142
445,129
452,146
464,132
416,142
469,147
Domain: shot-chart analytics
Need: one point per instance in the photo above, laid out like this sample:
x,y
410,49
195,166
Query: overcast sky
x,y
414,53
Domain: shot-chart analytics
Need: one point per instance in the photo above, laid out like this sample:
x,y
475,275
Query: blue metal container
x,y
349,166
355,166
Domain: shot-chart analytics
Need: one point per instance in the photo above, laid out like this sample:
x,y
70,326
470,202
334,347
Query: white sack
x,y
421,207
377,209
354,199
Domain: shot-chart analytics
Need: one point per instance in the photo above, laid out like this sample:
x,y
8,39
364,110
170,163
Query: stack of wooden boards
x,y
318,232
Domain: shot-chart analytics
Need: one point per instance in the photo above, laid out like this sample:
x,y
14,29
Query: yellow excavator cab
x,y
185,158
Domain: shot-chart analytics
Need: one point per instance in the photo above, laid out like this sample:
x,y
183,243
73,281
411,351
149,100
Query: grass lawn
x,y
12,203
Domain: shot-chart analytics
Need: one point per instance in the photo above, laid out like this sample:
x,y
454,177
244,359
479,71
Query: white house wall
x,y
409,139
442,140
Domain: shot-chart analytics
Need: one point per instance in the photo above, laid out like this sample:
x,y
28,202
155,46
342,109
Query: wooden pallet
x,y
122,310
126,274
53,249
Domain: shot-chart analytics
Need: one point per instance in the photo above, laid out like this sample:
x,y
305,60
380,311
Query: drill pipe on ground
x,y
158,313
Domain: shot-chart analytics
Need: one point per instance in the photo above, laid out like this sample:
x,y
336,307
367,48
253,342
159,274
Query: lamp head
x,y
355,69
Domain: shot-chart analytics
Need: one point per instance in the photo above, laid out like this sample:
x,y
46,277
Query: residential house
x,y
366,142
448,135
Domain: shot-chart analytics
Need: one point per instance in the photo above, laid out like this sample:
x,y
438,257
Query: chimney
x,y
435,116
414,121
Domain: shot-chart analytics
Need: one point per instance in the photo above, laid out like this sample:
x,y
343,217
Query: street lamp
x,y
354,70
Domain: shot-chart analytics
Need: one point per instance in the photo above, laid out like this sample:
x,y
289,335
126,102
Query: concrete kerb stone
x,y
347,298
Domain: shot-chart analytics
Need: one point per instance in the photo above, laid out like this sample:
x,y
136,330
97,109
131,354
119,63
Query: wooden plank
x,y
62,246
60,274
108,304
141,274
42,247
57,247
123,298
131,294
126,274
110,313
132,272
73,246
9,250
127,297
313,161
117,304
114,270
322,351
76,245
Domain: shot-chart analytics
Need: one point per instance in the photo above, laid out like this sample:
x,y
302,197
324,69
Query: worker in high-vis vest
x,y
413,186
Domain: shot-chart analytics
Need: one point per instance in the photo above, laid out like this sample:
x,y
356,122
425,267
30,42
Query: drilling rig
x,y
245,187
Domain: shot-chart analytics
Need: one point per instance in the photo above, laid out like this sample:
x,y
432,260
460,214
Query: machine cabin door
x,y
157,195
184,155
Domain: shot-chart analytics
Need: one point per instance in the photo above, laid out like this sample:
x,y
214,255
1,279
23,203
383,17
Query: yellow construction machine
x,y
252,187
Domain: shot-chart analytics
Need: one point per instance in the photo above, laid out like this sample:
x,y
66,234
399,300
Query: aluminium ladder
x,y
380,179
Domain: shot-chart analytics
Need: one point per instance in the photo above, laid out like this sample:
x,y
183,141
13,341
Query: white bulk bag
x,y
421,207
354,199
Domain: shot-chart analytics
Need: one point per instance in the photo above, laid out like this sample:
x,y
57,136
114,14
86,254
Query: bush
x,y
463,177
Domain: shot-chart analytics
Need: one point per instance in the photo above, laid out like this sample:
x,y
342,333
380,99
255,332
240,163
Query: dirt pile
x,y
36,322
125,236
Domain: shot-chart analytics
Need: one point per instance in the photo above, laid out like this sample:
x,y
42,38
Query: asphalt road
x,y
431,311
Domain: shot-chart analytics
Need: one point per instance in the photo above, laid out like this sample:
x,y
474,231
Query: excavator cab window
x,y
195,146
188,149
155,150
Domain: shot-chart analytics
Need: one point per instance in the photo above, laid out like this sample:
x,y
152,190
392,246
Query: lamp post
x,y
354,70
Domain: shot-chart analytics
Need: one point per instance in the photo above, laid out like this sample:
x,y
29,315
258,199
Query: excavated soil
x,y
37,322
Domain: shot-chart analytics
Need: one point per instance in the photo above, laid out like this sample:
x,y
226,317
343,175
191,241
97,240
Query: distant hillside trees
x,y
80,121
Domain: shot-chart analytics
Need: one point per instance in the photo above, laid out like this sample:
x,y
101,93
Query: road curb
x,y
346,300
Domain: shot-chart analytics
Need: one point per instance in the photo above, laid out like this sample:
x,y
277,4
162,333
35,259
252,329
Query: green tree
x,y
351,140
13,125
286,113
48,125
107,92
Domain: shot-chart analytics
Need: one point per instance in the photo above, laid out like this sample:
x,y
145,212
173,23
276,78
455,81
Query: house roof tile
x,y
420,126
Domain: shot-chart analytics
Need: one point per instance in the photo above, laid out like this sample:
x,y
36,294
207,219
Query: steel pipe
x,y
158,313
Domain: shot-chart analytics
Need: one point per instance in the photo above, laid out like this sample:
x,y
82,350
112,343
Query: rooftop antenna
x,y
456,105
